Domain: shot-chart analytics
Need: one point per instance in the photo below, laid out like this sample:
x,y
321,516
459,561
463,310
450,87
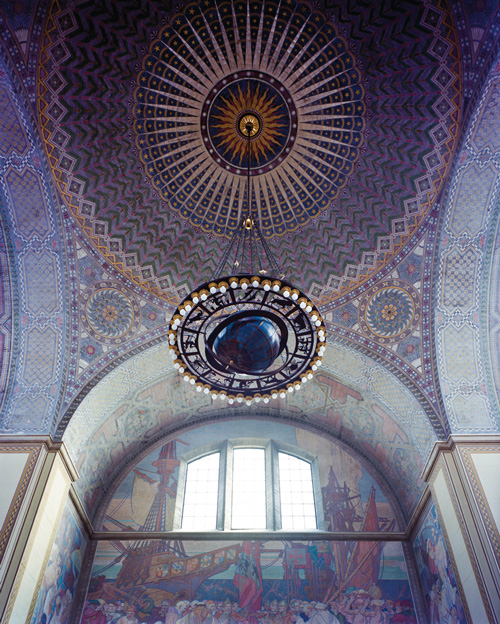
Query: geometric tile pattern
x,y
27,197
32,394
37,367
300,161
391,188
42,288
474,189
6,312
460,280
492,292
11,131
464,280
460,354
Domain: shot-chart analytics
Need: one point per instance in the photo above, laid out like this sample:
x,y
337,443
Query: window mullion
x,y
226,486
273,487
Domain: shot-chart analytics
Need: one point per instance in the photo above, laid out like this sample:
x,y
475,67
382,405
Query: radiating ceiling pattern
x,y
283,64
144,136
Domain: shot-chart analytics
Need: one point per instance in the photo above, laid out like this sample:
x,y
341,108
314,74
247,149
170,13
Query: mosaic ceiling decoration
x,y
143,130
213,66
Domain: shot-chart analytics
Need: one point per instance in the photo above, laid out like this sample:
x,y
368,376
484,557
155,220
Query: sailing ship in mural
x,y
248,582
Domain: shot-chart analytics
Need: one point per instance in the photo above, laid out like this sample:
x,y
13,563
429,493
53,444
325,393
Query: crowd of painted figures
x,y
351,607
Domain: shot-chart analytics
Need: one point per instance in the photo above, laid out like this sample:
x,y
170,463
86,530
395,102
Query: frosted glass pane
x,y
296,491
249,489
200,495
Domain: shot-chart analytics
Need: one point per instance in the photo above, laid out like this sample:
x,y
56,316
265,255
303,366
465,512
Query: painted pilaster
x,y
38,477
463,476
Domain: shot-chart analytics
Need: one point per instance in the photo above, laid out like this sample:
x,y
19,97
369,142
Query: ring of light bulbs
x,y
196,316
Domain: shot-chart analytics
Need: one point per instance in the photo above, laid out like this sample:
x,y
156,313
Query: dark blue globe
x,y
248,345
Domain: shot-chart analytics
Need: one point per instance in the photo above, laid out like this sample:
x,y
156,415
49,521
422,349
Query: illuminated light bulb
x,y
186,377
181,369
297,386
321,338
230,401
222,396
214,395
317,323
274,395
192,381
248,401
177,365
266,399
244,286
282,394
314,317
314,367
309,307
257,399
239,399
290,388
182,312
310,376
198,388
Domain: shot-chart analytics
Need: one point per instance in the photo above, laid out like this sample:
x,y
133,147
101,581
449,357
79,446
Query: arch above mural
x,y
144,401
345,481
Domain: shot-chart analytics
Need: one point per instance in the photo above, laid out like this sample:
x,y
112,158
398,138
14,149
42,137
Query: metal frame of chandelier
x,y
247,337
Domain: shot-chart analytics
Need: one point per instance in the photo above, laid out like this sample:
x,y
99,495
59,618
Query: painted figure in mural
x,y
93,612
111,612
158,614
356,607
129,617
323,616
437,575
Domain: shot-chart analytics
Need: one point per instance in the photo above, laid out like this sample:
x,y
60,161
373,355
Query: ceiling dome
x,y
354,138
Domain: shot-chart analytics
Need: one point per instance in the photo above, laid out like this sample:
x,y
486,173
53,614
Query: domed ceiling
x,y
142,113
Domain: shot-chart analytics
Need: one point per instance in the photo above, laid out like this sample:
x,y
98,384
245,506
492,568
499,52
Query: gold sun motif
x,y
389,312
109,313
255,101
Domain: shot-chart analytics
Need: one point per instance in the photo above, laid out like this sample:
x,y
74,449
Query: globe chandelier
x,y
250,335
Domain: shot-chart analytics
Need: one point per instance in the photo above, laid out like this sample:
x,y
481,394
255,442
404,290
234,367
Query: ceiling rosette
x,y
142,128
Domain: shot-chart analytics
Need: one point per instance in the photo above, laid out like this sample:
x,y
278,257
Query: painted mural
x,y
352,500
55,599
265,582
436,573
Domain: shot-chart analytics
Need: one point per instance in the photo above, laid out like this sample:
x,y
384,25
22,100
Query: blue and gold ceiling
x,y
355,134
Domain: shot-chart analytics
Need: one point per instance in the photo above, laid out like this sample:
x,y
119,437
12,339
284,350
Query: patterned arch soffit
x,y
144,399
37,235
465,328
133,459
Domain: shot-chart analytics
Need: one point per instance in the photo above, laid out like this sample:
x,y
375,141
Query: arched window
x,y
248,484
